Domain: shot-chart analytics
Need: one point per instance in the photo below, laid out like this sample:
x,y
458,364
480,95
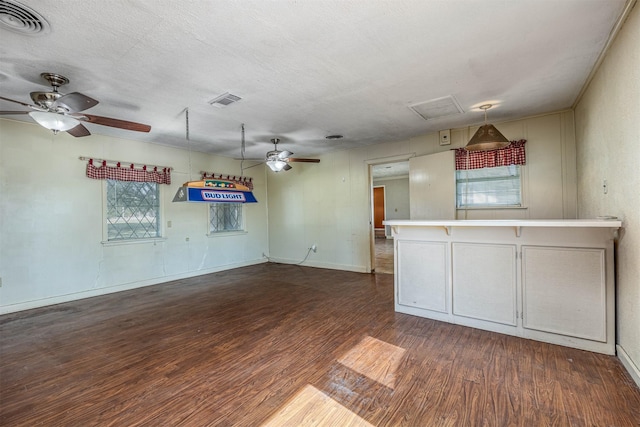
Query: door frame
x,y
372,233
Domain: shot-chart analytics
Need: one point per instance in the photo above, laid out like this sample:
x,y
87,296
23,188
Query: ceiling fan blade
x,y
79,131
17,102
115,123
286,168
75,102
300,160
284,154
4,113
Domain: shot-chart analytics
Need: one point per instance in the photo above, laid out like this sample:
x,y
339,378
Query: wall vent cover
x,y
439,107
224,100
19,18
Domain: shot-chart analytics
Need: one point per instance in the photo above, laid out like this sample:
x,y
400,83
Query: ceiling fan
x,y
58,112
279,160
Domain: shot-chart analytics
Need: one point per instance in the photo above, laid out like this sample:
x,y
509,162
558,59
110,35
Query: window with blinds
x,y
497,187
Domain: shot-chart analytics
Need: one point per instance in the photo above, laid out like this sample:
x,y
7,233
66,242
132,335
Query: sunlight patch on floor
x,y
311,407
374,359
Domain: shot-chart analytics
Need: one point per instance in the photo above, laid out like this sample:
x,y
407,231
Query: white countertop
x,y
603,223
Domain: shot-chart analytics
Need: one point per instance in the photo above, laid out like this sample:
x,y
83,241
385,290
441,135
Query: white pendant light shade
x,y
54,121
276,165
487,137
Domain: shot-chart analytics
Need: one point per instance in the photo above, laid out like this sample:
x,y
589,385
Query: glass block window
x,y
225,217
489,187
133,210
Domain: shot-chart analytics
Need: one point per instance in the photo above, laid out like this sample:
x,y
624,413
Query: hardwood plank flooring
x,y
283,345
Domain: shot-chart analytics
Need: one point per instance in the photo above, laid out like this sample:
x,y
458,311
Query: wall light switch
x,y
168,224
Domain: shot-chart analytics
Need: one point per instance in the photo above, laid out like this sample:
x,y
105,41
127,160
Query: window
x,y
133,210
489,187
225,217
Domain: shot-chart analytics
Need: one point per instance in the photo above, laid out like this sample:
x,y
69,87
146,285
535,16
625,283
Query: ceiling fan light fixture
x,y
276,165
487,137
54,121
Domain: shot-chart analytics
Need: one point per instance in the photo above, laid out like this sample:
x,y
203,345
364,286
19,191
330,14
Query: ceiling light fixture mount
x,y
487,137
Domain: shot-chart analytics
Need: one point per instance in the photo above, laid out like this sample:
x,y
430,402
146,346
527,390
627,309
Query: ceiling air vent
x,y
440,107
224,100
21,19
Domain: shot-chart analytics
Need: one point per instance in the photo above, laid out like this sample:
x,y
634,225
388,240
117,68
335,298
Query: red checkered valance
x,y
242,180
129,173
512,154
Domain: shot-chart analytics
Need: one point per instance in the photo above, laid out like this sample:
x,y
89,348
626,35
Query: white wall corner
x,y
631,367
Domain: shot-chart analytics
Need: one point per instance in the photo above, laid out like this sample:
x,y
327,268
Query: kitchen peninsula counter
x,y
548,280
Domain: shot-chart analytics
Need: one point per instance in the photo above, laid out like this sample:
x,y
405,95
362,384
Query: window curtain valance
x,y
144,173
242,180
512,154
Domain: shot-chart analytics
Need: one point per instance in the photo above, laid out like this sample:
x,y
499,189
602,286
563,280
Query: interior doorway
x,y
389,199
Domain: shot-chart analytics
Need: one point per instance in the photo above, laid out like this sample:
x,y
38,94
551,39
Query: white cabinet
x,y
565,291
551,281
485,290
426,282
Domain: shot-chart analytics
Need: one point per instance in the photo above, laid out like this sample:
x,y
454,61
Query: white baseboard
x,y
628,364
316,264
119,288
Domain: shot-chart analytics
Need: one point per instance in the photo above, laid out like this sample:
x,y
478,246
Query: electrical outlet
x,y
314,248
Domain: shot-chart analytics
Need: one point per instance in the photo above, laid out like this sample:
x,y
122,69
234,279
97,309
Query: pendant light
x,y
487,137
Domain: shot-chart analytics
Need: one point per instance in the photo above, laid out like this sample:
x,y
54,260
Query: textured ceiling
x,y
390,170
308,69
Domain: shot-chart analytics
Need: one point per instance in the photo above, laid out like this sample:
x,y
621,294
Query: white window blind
x,y
489,187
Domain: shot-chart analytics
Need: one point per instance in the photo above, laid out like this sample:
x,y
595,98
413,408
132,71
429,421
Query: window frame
x,y
105,226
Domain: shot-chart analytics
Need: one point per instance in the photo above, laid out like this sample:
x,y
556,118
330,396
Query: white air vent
x,y
21,19
224,100
440,107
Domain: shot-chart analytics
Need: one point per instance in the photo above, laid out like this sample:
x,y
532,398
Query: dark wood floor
x,y
288,345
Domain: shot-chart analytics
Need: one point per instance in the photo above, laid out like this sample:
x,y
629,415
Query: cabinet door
x,y
422,275
432,186
484,282
564,291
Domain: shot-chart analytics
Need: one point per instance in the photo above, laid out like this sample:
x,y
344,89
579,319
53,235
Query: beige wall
x,y
608,148
51,220
329,203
